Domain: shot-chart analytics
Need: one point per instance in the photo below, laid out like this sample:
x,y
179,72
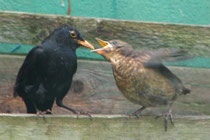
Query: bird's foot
x,y
83,113
137,115
137,112
43,113
48,111
167,115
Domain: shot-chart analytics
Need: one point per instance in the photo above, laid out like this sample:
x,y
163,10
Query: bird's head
x,y
69,37
111,48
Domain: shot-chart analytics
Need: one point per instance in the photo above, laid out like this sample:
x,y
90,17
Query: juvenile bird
x,y
141,77
47,71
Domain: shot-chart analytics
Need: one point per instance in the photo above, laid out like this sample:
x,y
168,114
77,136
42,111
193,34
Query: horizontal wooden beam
x,y
102,127
94,90
25,28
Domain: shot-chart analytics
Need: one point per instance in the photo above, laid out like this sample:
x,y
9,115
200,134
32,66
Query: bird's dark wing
x,y
28,75
155,58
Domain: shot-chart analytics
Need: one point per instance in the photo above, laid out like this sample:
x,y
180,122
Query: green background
x,y
170,11
195,12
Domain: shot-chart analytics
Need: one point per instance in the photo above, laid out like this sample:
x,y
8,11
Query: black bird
x,y
47,71
141,76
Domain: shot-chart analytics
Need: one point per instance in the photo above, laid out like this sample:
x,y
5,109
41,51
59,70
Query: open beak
x,y
100,51
86,44
104,49
101,42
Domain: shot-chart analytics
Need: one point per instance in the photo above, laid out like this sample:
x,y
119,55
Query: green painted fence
x,y
201,62
170,11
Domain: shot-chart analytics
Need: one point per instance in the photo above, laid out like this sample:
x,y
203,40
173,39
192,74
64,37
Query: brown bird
x,y
141,76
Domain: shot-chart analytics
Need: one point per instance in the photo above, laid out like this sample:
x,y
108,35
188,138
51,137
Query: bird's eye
x,y
115,42
119,46
73,34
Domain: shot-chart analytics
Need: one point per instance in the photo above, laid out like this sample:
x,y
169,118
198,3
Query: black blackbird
x,y
141,76
47,72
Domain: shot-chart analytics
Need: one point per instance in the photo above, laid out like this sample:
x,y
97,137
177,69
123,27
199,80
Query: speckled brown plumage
x,y
141,77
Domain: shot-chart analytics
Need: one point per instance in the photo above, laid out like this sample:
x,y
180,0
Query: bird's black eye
x,y
115,42
119,46
73,34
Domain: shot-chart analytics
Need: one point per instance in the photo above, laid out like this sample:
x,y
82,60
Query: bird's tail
x,y
15,94
186,91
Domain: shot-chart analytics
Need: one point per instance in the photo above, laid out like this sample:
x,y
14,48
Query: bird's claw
x,y
42,114
138,112
84,113
134,114
166,116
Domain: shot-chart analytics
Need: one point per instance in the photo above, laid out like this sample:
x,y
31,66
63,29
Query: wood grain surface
x,y
25,28
94,90
103,127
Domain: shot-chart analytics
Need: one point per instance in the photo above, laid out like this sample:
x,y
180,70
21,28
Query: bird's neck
x,y
53,44
116,59
122,64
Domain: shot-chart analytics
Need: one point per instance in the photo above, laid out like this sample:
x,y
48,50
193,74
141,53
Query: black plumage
x,y
47,71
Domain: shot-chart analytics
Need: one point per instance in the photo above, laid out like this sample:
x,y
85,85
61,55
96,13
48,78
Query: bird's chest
x,y
142,89
60,68
127,82
62,61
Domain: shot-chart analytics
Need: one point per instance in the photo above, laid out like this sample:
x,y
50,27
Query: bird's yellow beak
x,y
105,47
100,51
86,44
101,42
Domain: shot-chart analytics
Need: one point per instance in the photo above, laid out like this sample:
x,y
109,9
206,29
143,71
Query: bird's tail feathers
x,y
186,91
173,55
15,94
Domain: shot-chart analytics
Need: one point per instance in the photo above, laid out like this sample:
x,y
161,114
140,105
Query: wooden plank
x,y
28,28
103,128
94,90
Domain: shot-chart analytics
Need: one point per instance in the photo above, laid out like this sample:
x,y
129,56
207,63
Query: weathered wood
x,y
27,28
102,128
94,90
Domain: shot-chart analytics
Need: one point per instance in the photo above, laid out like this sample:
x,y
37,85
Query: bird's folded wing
x,y
28,71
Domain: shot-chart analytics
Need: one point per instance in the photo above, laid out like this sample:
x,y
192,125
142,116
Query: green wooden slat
x,y
28,28
82,53
24,49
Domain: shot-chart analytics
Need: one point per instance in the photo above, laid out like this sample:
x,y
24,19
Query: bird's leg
x,y
48,111
60,104
137,113
29,106
167,115
41,114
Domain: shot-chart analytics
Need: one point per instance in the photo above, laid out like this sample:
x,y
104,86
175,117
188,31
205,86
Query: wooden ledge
x,y
22,126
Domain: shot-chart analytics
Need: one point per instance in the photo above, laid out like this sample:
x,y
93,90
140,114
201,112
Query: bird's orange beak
x,y
101,42
86,44
104,49
100,51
